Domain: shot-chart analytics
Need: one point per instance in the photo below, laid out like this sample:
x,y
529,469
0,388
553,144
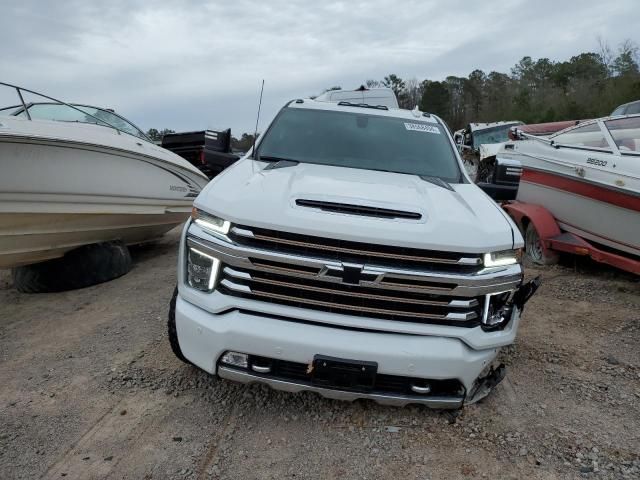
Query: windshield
x,y
358,140
626,133
492,135
632,108
6,111
64,113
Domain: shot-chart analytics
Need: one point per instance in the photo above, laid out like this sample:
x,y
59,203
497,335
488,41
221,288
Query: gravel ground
x,y
90,389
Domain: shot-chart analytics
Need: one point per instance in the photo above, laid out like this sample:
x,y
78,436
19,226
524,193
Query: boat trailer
x,y
551,239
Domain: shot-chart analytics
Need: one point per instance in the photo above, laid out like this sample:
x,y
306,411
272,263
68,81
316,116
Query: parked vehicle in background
x,y
77,185
350,255
500,176
627,109
208,150
580,191
479,141
370,96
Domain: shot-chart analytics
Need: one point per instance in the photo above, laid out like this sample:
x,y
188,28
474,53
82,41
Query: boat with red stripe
x,y
580,190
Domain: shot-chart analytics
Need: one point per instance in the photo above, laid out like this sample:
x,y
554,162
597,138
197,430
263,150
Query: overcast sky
x,y
193,65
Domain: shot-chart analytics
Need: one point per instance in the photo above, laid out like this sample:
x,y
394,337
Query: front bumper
x,y
204,337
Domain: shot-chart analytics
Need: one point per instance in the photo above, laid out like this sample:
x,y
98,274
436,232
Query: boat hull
x,y
57,194
595,212
33,237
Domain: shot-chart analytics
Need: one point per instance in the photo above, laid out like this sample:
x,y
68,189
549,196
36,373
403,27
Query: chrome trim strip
x,y
292,271
235,273
461,316
463,303
242,232
287,386
234,286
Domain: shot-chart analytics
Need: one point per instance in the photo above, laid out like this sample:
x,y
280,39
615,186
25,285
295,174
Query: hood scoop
x,y
362,210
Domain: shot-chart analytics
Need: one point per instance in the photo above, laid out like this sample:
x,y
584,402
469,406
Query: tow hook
x,y
525,292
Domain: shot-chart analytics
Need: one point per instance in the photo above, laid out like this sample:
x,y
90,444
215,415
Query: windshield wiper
x,y
437,181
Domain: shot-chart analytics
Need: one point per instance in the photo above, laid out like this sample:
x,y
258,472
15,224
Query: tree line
x,y
588,85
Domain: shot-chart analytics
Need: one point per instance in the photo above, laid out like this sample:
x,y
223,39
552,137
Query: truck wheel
x,y
534,249
79,268
171,327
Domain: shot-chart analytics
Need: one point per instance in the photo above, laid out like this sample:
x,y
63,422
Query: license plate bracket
x,y
343,374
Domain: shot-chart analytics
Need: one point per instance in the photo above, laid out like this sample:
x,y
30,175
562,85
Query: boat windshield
x,y
626,133
64,113
497,134
364,141
589,136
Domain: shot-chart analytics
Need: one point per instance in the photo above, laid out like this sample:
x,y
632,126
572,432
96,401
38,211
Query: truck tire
x,y
171,328
534,249
79,268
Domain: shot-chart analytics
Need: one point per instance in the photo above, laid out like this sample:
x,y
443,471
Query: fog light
x,y
236,359
202,270
497,310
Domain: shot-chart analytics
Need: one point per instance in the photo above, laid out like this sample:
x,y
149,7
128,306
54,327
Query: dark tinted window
x,y
359,140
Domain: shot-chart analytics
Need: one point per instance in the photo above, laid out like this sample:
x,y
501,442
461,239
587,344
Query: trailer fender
x,y
522,213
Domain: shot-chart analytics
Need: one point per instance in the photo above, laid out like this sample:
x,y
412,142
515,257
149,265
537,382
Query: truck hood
x,y
463,220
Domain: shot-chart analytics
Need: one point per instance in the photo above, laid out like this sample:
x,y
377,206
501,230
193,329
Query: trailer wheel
x,y
79,268
534,249
172,330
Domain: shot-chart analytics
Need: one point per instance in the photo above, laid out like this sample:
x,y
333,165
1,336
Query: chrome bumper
x,y
287,386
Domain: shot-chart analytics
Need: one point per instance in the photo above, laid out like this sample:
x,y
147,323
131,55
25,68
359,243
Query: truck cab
x,y
350,255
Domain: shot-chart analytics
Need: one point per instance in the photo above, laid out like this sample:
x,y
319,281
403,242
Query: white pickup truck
x,y
350,255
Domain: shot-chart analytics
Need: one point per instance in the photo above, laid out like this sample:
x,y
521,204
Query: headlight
x,y
202,270
500,259
210,223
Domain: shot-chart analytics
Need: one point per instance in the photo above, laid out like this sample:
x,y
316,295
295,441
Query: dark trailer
x,y
208,150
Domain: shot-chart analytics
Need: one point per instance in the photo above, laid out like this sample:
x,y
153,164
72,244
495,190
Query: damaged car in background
x,y
367,267
478,142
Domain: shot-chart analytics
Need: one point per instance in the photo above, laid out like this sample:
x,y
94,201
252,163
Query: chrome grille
x,y
288,285
356,252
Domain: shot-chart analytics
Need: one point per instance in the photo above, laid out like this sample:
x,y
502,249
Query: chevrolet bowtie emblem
x,y
351,274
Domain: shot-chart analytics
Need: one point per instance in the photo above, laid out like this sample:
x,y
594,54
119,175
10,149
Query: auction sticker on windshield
x,y
421,127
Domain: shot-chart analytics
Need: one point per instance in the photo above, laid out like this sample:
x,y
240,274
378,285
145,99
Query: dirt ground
x,y
91,389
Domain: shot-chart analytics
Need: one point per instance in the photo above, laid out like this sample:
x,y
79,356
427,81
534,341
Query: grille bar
x,y
324,289
283,241
350,299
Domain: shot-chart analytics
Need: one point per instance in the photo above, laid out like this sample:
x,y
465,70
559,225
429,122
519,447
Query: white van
x,y
370,96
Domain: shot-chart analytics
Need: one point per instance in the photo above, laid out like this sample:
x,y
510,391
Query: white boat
x,y
588,177
73,175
